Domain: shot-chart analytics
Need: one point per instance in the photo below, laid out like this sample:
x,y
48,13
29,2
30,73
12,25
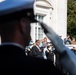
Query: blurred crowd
x,y
44,49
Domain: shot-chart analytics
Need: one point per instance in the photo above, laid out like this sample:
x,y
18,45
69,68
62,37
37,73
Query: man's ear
x,y
22,25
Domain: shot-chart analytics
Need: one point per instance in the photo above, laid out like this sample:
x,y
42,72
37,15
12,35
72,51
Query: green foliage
x,y
71,18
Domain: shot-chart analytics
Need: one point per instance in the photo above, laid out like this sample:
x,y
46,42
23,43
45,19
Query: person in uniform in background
x,y
49,53
15,19
29,47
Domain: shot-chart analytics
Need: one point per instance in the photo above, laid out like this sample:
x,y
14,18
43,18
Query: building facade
x,y
54,14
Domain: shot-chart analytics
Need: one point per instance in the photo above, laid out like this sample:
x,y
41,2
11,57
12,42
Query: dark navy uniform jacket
x,y
13,59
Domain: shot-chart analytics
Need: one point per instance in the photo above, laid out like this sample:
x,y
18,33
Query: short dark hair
x,y
37,40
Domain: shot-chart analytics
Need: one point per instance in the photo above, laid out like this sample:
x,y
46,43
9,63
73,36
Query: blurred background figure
x,y
49,52
67,40
29,47
73,41
35,50
44,42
